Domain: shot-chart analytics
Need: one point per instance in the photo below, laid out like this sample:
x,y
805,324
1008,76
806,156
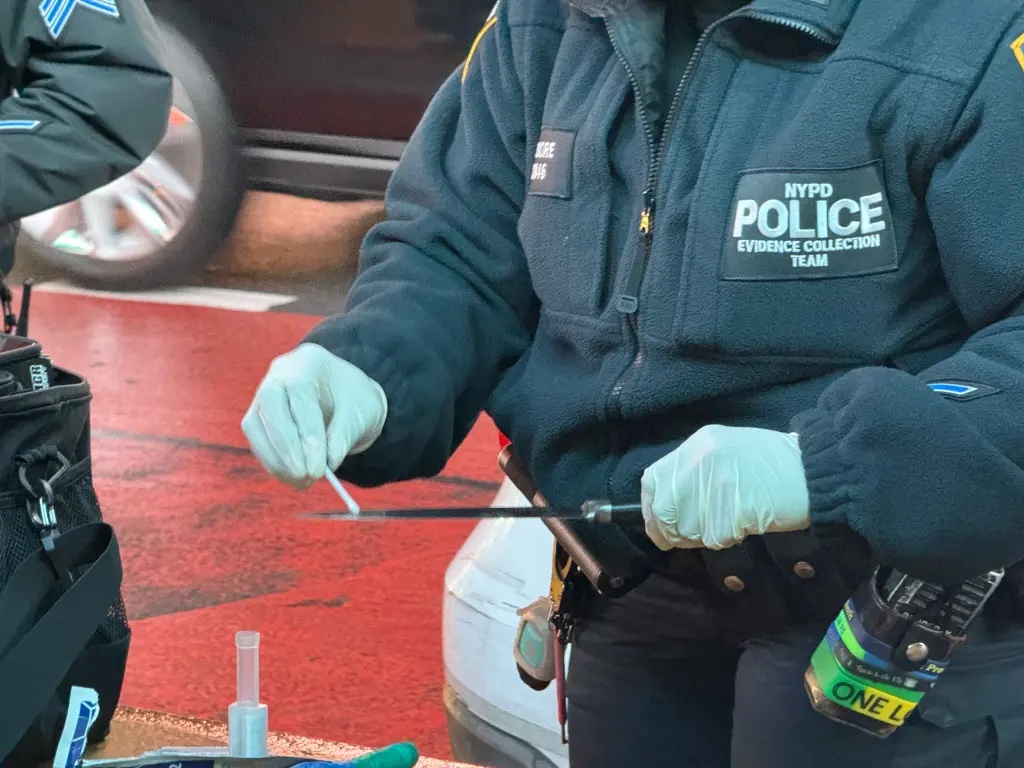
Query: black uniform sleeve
x,y
929,469
91,102
443,303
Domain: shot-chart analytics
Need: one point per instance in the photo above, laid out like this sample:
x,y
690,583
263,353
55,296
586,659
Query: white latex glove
x,y
311,411
722,485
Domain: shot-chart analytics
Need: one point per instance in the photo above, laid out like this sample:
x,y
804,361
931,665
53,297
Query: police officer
x,y
87,100
760,265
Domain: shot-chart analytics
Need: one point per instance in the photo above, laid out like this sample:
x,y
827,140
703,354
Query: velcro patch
x,y
962,390
799,225
551,173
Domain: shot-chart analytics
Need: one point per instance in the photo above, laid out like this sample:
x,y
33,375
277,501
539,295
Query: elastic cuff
x,y
830,476
367,442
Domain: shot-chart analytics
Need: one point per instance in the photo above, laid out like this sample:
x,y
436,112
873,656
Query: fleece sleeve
x,y
443,303
929,469
91,101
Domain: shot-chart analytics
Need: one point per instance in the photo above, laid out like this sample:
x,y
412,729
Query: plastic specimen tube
x,y
247,717
247,645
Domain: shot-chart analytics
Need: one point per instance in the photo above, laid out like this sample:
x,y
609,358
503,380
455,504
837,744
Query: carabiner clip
x,y
37,457
41,512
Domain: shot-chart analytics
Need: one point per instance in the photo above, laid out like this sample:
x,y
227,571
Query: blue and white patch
x,y
83,709
57,13
961,390
18,126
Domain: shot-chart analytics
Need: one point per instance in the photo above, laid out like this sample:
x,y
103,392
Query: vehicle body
x,y
494,719
315,98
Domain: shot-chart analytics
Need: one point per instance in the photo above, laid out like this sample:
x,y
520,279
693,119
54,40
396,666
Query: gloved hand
x,y
311,411
722,485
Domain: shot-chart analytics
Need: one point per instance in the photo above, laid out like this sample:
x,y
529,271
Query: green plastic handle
x,y
395,756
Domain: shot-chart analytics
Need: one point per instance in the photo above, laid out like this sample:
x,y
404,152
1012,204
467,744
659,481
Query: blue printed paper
x,y
83,709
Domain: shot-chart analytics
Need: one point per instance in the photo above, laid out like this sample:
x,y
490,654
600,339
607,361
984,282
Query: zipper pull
x,y
647,217
628,301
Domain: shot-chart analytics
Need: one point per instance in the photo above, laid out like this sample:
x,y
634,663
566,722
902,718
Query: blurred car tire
x,y
189,232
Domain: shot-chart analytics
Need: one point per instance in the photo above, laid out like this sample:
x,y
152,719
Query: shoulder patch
x,y
1017,46
18,126
57,13
962,390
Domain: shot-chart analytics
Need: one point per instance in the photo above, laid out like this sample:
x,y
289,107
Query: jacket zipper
x,y
627,301
782,21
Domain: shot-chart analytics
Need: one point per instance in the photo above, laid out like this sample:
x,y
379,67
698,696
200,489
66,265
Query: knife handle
x,y
520,477
566,537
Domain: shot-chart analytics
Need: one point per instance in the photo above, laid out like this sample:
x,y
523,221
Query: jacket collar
x,y
827,18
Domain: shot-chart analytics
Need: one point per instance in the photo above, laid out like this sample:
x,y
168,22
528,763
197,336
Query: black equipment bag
x,y
62,619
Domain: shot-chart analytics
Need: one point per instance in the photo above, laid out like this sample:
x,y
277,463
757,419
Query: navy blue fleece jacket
x,y
826,239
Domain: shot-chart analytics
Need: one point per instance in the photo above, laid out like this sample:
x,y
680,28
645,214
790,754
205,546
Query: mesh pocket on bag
x,y
101,663
75,504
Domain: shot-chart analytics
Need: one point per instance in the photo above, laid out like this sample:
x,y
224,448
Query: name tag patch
x,y
551,173
798,225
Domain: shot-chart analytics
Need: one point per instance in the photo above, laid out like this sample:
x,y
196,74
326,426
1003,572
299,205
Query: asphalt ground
x,y
349,612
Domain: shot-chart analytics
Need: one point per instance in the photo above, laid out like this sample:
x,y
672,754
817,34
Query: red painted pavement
x,y
349,611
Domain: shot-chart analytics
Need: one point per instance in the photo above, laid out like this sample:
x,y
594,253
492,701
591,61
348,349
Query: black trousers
x,y
673,693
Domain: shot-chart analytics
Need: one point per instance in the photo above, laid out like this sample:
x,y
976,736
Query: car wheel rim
x,y
137,215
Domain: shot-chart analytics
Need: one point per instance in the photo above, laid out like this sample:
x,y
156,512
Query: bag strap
x,y
36,651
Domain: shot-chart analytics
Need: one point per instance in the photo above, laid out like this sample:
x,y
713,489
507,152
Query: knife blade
x,y
600,512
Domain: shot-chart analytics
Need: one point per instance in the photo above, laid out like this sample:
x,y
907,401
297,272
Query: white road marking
x,y
215,298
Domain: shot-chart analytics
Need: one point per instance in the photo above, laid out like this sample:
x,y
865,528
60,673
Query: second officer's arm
x,y
935,484
443,303
92,98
